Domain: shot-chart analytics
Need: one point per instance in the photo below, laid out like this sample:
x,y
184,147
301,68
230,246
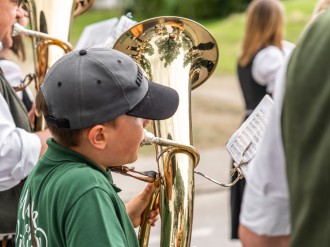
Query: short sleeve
x,y
19,150
266,65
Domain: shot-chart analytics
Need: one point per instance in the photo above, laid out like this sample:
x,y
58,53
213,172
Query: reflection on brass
x,y
181,54
50,23
144,234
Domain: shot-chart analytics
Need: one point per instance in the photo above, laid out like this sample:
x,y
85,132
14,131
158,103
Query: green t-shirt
x,y
74,203
306,136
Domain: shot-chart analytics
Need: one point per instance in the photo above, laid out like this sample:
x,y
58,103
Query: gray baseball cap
x,y
93,86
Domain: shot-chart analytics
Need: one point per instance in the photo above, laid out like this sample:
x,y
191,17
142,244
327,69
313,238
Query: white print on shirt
x,y
24,239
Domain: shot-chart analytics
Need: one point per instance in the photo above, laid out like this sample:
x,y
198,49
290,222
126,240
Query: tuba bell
x,y
182,54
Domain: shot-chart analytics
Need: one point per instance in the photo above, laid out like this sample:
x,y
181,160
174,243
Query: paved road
x,y
211,213
211,222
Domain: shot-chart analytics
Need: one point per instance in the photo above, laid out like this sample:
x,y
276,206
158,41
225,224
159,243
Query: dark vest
x,y
25,97
252,91
306,136
9,198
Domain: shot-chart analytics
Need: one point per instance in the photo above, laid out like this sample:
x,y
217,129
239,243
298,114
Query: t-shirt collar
x,y
57,152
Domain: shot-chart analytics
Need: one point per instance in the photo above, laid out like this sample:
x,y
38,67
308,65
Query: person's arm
x,y
19,149
251,239
138,204
265,212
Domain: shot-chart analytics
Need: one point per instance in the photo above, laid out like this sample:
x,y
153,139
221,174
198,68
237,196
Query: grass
x,y
227,32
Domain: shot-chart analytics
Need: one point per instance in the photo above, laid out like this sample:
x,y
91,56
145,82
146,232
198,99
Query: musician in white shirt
x,y
19,149
265,215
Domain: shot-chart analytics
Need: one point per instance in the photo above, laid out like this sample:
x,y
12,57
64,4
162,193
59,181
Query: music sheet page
x,y
243,144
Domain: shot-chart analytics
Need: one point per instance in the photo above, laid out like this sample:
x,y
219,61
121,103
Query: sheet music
x,y
96,34
243,144
124,24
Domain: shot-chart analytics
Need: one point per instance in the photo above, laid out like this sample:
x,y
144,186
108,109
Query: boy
x,y
96,103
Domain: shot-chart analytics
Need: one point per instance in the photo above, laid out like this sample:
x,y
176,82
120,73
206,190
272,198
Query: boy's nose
x,y
146,122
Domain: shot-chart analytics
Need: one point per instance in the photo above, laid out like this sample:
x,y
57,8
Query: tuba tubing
x,y
50,23
19,29
182,54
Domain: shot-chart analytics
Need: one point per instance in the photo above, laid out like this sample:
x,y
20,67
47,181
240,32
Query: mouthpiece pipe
x,y
19,29
150,139
147,176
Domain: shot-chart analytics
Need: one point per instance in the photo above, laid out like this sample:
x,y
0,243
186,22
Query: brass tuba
x,y
50,22
181,54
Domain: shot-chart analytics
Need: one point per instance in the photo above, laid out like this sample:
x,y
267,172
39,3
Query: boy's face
x,y
8,12
124,142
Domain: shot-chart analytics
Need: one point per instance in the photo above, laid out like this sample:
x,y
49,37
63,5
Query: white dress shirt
x,y
19,149
265,207
267,63
14,76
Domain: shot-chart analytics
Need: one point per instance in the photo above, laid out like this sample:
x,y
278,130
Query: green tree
x,y
193,9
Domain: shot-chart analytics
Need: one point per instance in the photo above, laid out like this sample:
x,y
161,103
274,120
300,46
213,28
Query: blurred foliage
x,y
90,17
228,32
193,9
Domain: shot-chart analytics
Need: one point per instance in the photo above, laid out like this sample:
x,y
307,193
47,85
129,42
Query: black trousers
x,y
236,195
10,242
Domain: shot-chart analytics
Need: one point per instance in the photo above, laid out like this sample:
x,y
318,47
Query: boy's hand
x,y
139,203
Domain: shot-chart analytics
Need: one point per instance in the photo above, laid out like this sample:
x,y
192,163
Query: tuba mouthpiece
x,y
19,29
148,139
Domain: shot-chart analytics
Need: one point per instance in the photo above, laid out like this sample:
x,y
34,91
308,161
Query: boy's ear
x,y
97,136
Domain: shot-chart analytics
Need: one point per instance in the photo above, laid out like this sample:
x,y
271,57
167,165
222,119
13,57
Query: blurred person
x,y
263,53
265,217
12,70
320,6
96,103
19,148
306,136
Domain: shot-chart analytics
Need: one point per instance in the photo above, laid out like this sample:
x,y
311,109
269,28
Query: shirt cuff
x,y
31,147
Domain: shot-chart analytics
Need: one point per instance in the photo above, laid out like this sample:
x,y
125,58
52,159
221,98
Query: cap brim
x,y
159,103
